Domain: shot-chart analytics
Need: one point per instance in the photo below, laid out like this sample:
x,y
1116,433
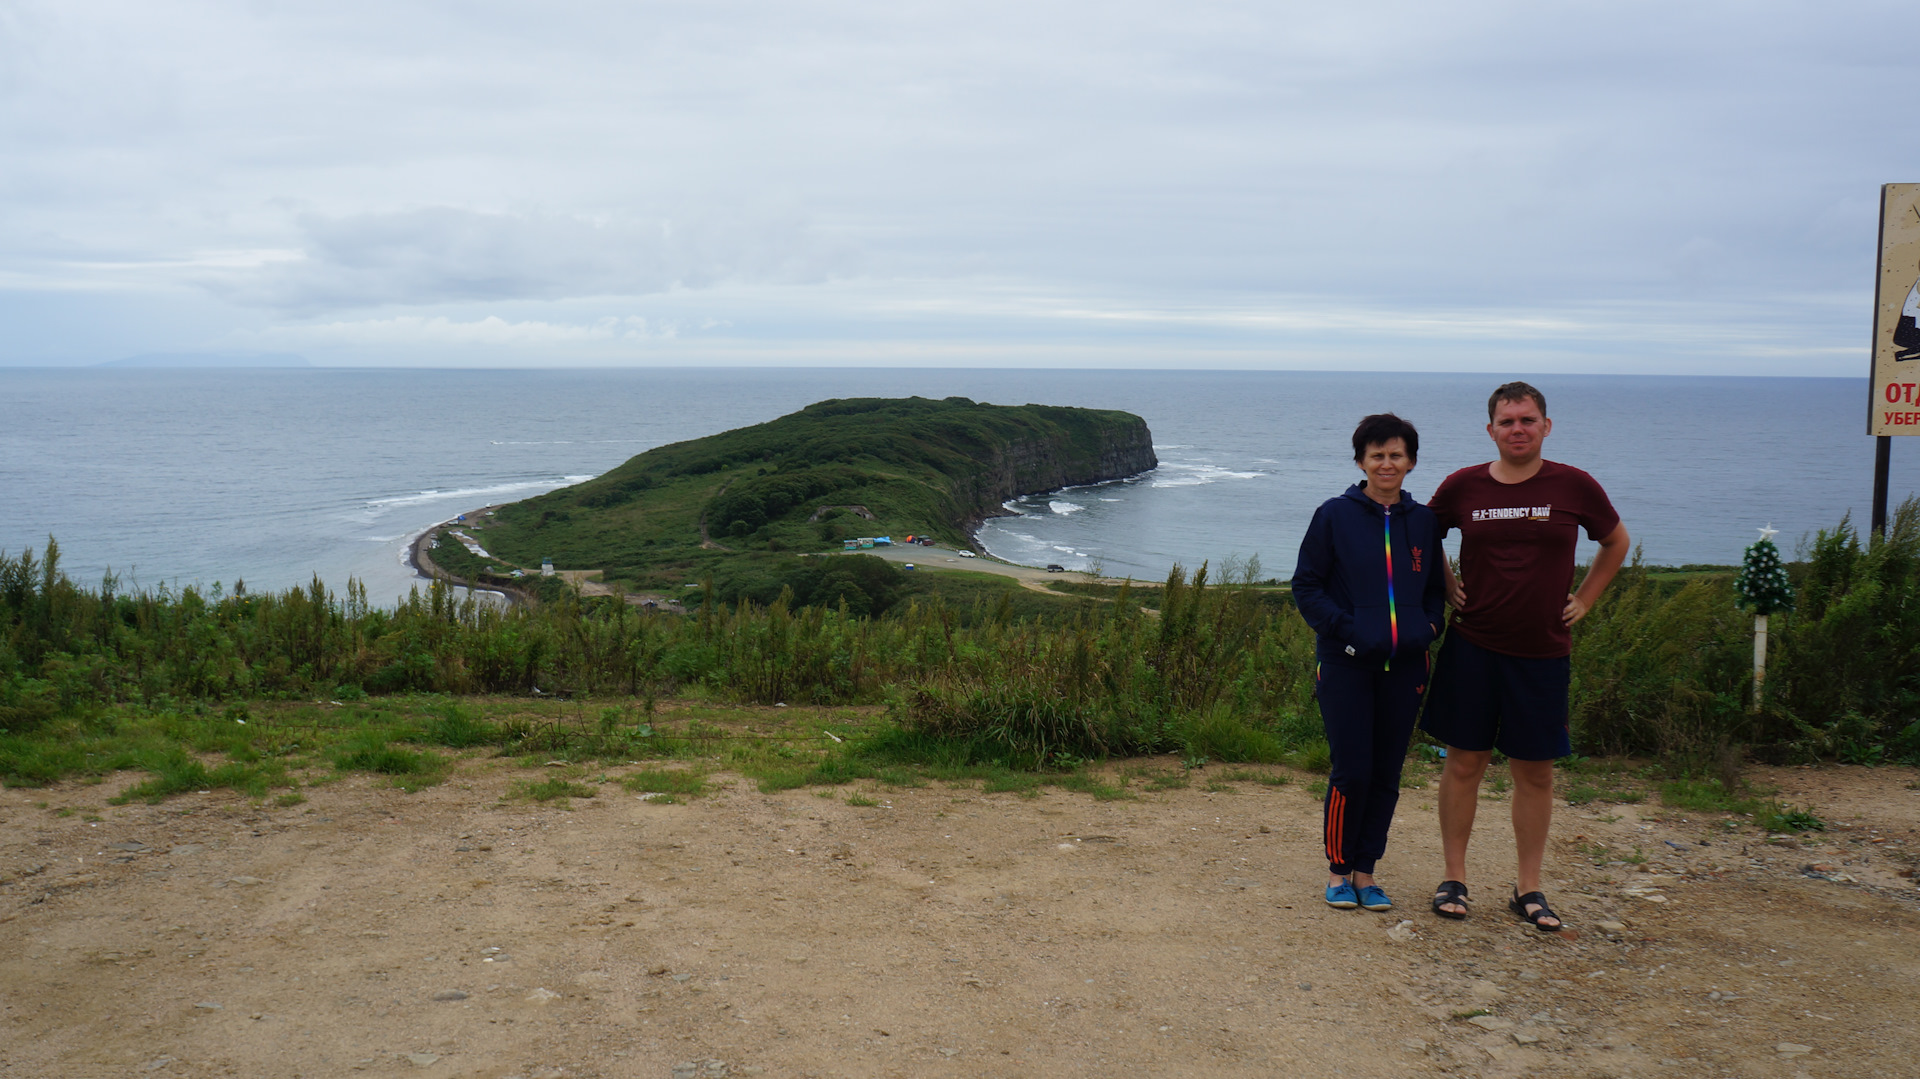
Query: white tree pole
x,y
1760,640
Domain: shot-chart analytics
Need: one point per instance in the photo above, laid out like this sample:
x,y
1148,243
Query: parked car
x,y
967,554
1056,569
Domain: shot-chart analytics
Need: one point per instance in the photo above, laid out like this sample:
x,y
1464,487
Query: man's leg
x,y
1459,797
1532,815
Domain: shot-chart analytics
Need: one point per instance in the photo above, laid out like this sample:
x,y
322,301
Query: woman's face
x,y
1386,465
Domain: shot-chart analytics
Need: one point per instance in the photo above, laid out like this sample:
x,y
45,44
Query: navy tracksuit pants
x,y
1368,716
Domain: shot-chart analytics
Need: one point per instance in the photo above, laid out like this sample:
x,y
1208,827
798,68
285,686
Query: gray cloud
x,y
1647,164
440,255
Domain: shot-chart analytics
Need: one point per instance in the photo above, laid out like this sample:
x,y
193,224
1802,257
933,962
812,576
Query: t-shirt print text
x,y
1514,513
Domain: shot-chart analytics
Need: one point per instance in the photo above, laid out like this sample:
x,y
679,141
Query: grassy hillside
x,y
805,482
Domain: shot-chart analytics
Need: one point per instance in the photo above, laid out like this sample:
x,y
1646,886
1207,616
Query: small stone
x,y
686,1070
128,845
1522,1038
1485,990
1792,1049
1264,830
658,969
1612,927
245,882
450,994
1491,1022
683,977
157,1063
208,1005
542,996
945,1052
422,1059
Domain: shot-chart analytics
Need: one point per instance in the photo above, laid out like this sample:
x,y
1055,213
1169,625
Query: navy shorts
x,y
1480,700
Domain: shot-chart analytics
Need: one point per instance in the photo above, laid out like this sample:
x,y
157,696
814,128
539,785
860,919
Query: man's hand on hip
x,y
1576,610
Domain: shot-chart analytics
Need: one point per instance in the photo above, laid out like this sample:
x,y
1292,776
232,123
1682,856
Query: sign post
x,y
1894,407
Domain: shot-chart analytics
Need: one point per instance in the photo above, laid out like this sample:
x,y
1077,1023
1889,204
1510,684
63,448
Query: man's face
x,y
1518,429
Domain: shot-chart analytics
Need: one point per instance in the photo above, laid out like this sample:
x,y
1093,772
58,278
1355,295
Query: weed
x,y
1776,817
863,800
1006,780
1315,756
1222,736
665,781
550,789
1086,783
179,772
1705,796
288,800
1317,788
1586,794
1168,781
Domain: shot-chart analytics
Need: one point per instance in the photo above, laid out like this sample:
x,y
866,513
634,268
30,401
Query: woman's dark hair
x,y
1382,428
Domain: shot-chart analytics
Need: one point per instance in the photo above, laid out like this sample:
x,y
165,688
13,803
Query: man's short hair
x,y
1382,428
1516,391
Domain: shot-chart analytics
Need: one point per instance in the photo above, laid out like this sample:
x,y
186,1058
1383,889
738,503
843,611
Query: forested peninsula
x,y
737,506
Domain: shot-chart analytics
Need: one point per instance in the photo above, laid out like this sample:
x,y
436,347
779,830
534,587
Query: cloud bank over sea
x,y
1624,187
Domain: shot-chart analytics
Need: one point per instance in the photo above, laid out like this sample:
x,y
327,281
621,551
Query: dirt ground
x,y
941,932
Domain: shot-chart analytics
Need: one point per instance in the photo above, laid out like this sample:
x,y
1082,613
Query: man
x,y
1501,678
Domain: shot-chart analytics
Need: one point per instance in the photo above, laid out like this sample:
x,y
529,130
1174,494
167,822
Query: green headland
x,y
740,505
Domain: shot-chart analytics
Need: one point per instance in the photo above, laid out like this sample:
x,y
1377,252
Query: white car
x,y
967,554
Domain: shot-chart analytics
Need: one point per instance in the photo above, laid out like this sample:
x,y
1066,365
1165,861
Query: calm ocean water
x,y
188,476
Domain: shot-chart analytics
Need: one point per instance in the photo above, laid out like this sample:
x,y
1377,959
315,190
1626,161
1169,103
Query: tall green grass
x,y
1217,670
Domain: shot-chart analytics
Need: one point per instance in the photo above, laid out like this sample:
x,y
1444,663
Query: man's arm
x,y
1613,554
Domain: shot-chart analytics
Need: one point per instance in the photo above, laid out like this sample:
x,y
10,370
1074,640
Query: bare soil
x,y
942,932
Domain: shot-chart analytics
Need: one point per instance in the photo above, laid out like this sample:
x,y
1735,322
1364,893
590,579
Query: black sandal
x,y
1518,905
1450,893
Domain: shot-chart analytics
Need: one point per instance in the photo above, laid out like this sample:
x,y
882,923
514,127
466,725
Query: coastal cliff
x,y
1117,449
811,480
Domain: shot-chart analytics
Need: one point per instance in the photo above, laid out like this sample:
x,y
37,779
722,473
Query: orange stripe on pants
x,y
1336,824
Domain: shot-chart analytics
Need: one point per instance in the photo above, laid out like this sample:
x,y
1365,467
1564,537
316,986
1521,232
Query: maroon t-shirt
x,y
1516,552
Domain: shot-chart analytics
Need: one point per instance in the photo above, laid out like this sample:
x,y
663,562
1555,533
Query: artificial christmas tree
x,y
1762,587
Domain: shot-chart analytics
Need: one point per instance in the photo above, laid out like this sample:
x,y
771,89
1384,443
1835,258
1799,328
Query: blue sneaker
x,y
1372,898
1342,896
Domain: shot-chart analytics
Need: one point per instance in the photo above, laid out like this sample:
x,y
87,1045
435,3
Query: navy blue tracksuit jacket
x,y
1368,582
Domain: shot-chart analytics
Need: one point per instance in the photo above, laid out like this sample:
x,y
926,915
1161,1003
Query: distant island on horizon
x,y
209,359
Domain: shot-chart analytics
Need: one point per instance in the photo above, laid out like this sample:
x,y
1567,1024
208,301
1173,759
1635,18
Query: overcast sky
x,y
1606,187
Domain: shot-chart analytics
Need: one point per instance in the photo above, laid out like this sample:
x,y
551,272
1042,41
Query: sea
x,y
176,477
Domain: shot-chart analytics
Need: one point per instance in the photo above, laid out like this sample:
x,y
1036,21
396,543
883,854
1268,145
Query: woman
x,y
1369,583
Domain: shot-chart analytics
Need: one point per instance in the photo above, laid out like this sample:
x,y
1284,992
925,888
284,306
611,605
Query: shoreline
x,y
424,567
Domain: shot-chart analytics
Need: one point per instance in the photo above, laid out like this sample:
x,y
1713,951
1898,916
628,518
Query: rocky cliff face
x,y
1114,451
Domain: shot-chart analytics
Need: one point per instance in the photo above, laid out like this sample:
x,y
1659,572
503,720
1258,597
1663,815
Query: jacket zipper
x,y
1393,618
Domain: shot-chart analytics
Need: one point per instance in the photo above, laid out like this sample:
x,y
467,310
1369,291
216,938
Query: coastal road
x,y
938,558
